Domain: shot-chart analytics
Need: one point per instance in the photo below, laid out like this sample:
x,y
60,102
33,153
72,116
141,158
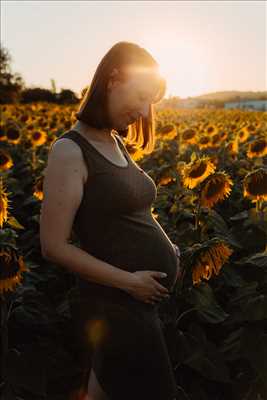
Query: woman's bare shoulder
x,y
64,150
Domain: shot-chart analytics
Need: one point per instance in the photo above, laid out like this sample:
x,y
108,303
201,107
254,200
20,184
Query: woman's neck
x,y
99,135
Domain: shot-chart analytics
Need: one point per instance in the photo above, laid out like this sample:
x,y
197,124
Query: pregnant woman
x,y
126,264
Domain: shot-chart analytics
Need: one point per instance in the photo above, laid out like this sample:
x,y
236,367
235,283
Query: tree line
x,y
13,88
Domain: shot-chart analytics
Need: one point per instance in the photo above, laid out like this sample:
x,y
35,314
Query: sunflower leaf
x,y
203,299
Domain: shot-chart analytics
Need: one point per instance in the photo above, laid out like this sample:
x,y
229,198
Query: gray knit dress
x,y
121,336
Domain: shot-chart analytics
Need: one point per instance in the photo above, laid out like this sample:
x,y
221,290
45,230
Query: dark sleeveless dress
x,y
121,335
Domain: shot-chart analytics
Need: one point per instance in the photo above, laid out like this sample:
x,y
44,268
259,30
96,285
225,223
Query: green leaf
x,y
208,309
243,293
256,308
256,260
240,216
210,364
231,277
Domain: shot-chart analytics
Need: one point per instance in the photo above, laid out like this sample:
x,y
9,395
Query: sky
x,y
200,46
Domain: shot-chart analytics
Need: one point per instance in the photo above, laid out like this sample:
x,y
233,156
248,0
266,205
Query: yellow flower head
x,y
211,130
13,135
210,261
233,146
168,131
189,136
11,269
4,200
216,188
38,138
135,152
255,185
216,140
223,135
257,148
203,141
6,161
243,135
197,171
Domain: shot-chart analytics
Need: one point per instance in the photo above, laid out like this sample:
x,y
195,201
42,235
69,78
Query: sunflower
x,y
251,128
257,148
255,185
243,135
232,147
6,161
168,131
11,270
13,135
4,200
210,261
135,152
196,171
211,129
38,138
203,142
223,135
216,140
189,136
216,188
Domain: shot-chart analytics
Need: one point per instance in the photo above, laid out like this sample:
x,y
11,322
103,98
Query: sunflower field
x,y
210,168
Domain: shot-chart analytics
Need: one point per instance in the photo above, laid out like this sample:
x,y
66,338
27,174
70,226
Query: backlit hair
x,y
93,107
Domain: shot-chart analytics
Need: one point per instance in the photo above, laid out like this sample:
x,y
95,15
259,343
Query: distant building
x,y
251,105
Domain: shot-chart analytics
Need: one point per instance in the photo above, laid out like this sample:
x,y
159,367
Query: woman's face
x,y
130,99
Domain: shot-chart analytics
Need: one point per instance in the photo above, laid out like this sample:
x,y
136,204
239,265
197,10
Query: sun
x,y
184,64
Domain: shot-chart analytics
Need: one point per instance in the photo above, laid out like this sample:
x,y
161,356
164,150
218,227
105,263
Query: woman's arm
x,y
63,192
89,267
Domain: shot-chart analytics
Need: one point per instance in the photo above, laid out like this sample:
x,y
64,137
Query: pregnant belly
x,y
147,250
140,244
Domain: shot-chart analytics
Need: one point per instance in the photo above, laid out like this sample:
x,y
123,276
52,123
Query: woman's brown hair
x,y
93,106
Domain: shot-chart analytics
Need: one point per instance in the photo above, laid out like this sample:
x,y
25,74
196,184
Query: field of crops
x,y
210,168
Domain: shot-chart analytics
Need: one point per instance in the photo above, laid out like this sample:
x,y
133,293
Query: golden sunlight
x,y
187,70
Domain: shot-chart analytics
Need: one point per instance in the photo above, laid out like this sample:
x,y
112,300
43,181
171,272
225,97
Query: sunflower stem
x,y
34,159
257,206
197,226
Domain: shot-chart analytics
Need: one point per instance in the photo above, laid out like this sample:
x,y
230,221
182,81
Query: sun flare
x,y
186,70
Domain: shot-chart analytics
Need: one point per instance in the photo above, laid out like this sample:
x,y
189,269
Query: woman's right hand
x,y
143,285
